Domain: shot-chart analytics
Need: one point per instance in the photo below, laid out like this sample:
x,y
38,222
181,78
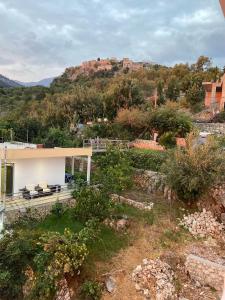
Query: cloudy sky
x,y
40,38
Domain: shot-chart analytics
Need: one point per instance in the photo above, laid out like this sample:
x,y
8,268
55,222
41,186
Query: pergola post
x,y
72,167
0,180
89,170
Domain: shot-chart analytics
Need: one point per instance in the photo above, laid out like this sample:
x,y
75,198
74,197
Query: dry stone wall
x,y
214,128
206,272
152,182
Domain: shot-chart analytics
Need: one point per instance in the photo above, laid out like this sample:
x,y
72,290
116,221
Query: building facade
x,y
222,2
215,95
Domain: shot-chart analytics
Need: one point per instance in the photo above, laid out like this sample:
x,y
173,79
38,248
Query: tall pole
x,y
5,174
2,207
11,134
89,170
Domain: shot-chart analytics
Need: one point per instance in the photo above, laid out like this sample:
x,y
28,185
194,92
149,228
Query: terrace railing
x,y
101,145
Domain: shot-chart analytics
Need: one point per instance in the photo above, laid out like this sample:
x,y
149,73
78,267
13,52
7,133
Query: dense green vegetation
x,y
147,159
193,170
33,112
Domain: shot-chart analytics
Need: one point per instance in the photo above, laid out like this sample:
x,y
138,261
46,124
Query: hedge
x,y
147,159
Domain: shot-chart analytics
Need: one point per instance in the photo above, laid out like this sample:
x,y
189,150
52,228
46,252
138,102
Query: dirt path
x,y
146,245
124,263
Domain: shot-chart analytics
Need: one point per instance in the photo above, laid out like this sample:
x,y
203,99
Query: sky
x,y
40,38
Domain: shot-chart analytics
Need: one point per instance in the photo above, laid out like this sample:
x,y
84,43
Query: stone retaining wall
x,y
206,272
37,213
215,128
152,182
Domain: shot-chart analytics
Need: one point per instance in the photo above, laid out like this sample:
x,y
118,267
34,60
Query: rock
x,y
121,224
205,272
223,218
137,287
161,274
203,224
110,284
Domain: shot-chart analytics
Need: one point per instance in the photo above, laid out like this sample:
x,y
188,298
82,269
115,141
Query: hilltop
x,y
100,89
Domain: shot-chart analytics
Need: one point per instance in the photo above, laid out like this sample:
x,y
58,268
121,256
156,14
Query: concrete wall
x,y
34,171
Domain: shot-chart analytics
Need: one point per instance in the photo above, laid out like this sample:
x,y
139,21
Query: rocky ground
x,y
156,258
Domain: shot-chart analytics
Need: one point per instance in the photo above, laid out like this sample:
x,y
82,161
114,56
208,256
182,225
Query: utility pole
x,y
11,134
3,197
27,135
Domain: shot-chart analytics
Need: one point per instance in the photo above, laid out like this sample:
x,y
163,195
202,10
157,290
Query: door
x,y
9,180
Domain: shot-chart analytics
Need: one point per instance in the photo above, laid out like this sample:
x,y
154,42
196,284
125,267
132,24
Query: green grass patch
x,y
170,237
104,247
147,159
134,213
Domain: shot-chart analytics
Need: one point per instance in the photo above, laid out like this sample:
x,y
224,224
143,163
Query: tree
x,y
193,170
58,138
203,64
168,119
160,93
173,90
133,119
114,171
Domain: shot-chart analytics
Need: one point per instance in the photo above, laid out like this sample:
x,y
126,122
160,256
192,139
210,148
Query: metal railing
x,y
16,201
102,144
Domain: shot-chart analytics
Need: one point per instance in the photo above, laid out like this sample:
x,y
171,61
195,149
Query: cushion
x,y
46,190
30,187
32,193
43,185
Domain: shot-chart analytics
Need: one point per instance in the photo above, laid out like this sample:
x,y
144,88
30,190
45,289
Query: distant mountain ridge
x,y
8,83
44,82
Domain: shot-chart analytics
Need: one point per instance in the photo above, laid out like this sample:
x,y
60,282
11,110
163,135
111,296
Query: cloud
x,y
41,38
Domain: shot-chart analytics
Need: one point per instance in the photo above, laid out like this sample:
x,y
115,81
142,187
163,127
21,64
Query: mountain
x,y
8,83
44,82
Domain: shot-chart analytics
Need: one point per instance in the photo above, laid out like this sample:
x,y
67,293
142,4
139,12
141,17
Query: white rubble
x,y
202,224
154,274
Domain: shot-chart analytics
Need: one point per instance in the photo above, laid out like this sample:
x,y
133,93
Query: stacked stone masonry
x,y
206,272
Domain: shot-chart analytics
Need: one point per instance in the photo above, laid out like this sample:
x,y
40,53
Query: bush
x,y
91,203
193,170
35,262
57,209
168,140
147,159
219,118
91,290
114,170
169,119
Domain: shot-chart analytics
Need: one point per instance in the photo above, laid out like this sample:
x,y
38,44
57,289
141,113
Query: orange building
x,y
222,2
215,95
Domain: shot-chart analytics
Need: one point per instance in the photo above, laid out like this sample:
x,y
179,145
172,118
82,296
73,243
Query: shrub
x,y
147,159
168,140
16,252
57,209
114,170
91,203
34,262
193,170
91,290
169,119
219,118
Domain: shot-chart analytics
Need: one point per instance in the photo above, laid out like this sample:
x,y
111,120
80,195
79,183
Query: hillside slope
x,y
46,82
7,83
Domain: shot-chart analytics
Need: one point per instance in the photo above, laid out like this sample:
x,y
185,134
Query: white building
x,y
28,165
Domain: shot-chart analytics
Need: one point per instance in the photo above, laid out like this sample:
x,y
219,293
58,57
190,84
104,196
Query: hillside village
x,y
93,66
112,174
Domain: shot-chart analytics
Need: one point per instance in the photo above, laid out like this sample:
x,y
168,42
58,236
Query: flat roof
x,y
12,154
